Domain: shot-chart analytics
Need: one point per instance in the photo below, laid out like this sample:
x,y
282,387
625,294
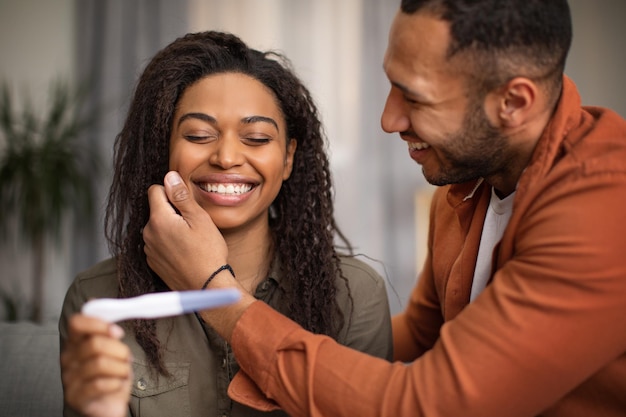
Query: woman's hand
x,y
183,249
96,368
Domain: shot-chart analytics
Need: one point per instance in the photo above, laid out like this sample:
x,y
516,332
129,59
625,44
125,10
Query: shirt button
x,y
224,363
141,384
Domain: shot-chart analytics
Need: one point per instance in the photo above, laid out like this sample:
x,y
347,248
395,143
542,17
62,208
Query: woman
x,y
244,134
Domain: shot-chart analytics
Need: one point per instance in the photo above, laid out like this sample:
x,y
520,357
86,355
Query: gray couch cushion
x,y
29,370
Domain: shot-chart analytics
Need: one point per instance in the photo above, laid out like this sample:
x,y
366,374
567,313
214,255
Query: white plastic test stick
x,y
155,305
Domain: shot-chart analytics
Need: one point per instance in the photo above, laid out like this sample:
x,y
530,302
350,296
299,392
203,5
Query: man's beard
x,y
476,150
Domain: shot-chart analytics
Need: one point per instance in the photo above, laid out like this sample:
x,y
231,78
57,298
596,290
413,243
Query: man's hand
x,y
95,368
183,249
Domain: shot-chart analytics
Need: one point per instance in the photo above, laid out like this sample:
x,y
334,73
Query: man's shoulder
x,y
602,144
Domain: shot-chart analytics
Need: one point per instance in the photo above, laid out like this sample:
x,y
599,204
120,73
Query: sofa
x,y
29,370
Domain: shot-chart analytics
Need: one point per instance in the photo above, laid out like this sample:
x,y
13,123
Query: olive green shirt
x,y
202,364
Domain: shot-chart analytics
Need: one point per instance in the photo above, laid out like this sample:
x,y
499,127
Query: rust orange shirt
x,y
546,337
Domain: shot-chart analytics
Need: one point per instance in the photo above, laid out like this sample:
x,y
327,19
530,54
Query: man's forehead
x,y
417,42
420,27
416,61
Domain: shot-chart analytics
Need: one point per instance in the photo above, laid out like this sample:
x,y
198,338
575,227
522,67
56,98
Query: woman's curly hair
x,y
302,223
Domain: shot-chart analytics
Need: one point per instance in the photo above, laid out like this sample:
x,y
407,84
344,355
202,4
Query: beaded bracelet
x,y
217,271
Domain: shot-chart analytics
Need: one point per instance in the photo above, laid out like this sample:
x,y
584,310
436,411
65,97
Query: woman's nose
x,y
227,152
394,117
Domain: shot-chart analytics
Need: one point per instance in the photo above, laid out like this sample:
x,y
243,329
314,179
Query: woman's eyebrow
x,y
210,119
200,116
256,119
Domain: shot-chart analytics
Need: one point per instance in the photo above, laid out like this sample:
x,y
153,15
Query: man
x,y
520,309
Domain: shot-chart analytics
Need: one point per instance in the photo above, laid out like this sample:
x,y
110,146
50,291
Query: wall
x,y
597,61
37,44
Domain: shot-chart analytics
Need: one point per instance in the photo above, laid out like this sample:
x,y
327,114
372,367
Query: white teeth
x,y
227,189
418,145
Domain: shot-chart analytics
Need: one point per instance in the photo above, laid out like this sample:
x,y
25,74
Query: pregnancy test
x,y
155,305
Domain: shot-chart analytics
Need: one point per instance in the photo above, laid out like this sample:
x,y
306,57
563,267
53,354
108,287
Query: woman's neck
x,y
250,255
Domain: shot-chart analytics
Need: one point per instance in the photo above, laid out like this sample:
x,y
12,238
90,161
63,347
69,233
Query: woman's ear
x,y
291,150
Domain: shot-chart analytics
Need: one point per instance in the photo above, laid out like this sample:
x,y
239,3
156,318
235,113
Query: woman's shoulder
x,y
359,273
99,280
362,298
359,282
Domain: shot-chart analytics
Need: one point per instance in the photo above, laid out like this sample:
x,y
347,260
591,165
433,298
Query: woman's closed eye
x,y
256,140
200,138
249,140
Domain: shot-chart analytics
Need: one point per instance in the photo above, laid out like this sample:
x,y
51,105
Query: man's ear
x,y
516,101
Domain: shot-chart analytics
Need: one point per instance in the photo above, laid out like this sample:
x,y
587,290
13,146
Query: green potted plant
x,y
46,173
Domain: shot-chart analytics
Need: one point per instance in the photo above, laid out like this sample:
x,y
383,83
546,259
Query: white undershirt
x,y
498,215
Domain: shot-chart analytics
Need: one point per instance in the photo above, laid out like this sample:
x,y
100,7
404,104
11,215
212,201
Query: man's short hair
x,y
497,40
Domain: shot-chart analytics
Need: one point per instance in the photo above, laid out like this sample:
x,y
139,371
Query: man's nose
x,y
394,117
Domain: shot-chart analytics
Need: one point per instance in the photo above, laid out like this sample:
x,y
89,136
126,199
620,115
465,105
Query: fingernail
x,y
173,178
116,331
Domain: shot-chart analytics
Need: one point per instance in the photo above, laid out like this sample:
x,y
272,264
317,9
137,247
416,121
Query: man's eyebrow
x,y
200,116
402,87
406,90
256,119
